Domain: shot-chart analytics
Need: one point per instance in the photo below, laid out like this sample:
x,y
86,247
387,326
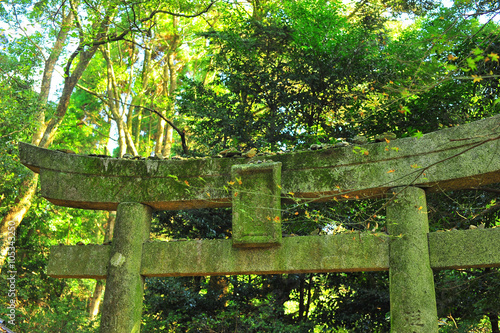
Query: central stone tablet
x,y
256,204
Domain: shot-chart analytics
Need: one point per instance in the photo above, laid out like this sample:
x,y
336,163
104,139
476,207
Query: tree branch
x,y
188,16
487,211
182,133
358,7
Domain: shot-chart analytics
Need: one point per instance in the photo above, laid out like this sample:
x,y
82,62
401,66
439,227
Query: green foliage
x,y
44,303
360,302
466,296
248,304
287,78
192,224
18,108
431,84
82,129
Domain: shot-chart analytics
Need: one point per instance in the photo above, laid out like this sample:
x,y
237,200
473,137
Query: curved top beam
x,y
449,159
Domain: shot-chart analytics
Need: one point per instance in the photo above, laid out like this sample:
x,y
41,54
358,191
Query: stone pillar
x,y
413,299
122,306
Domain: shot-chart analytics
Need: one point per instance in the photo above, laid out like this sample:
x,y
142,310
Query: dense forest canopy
x,y
192,78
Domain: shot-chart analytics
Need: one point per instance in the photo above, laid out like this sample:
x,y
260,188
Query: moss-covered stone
x,y
465,248
449,159
412,295
79,261
122,305
351,252
256,204
451,249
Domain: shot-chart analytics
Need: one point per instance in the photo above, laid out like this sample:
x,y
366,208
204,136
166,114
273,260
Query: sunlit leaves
x,y
493,56
476,78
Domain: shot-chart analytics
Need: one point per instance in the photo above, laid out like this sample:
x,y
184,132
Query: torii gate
x,y
404,169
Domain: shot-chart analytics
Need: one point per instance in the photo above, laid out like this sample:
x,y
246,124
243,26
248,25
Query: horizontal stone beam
x,y
79,261
349,252
465,248
453,158
341,253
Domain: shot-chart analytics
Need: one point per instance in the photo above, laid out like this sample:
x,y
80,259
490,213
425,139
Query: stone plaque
x,y
256,204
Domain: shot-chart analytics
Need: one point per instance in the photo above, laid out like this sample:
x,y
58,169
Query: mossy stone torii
x,y
405,169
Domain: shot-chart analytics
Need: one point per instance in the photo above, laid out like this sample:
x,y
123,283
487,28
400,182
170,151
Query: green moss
x,y
338,253
465,248
256,204
307,174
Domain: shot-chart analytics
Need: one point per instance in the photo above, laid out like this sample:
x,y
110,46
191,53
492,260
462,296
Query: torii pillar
x,y
125,284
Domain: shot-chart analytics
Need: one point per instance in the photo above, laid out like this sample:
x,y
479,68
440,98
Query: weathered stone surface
x,y
122,304
411,281
348,253
256,204
79,261
449,159
465,248
453,249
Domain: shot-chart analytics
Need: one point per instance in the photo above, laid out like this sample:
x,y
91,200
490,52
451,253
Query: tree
x,y
101,31
28,186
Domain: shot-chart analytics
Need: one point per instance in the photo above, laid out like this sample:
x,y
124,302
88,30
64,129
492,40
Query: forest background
x,y
178,79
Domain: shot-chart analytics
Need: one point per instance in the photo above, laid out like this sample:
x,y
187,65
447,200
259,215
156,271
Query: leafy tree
x,y
283,80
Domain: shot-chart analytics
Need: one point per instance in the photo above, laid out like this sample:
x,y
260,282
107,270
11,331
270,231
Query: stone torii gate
x,y
403,169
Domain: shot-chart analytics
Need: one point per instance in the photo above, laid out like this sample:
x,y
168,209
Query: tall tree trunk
x,y
48,73
169,140
138,126
45,137
172,87
309,295
16,213
95,301
85,53
494,322
160,133
301,297
28,186
164,138
69,85
114,104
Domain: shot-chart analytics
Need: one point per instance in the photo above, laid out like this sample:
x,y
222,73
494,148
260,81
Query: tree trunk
x,y
69,85
48,73
114,106
301,298
309,295
85,54
165,132
494,322
16,213
172,87
168,141
95,301
28,186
